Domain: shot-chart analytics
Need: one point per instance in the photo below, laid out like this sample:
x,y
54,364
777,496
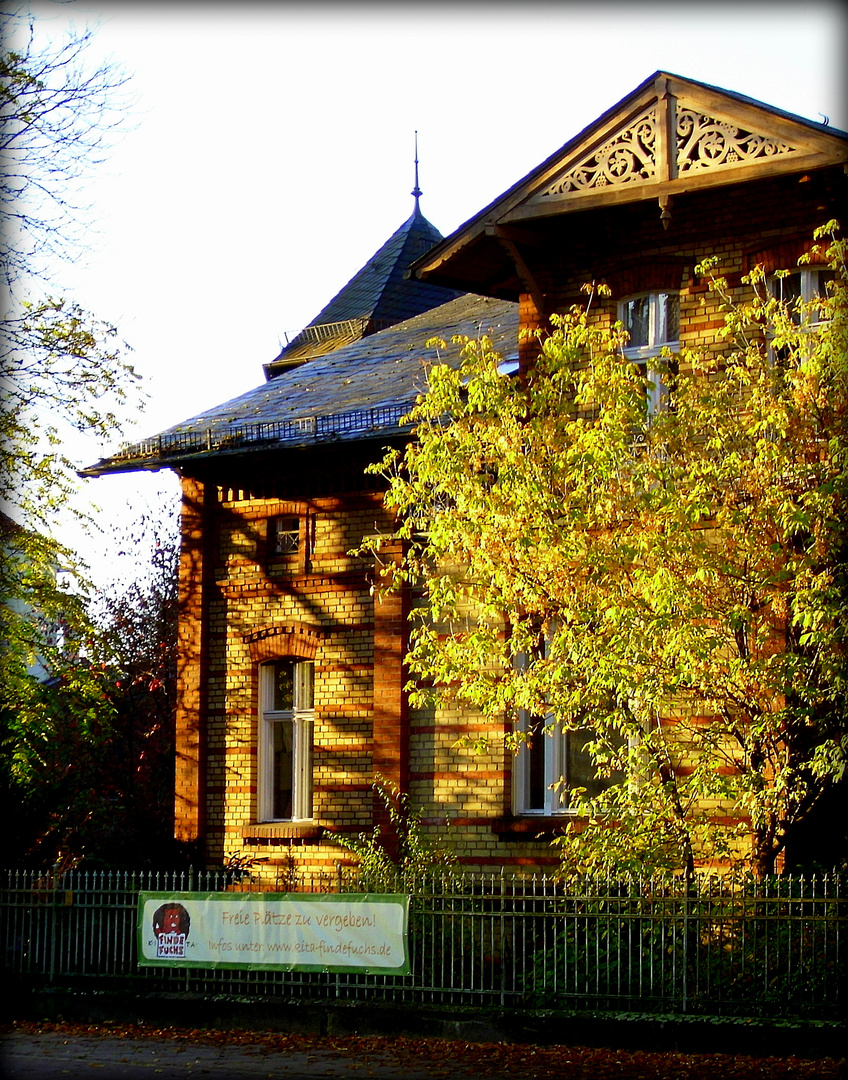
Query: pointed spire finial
x,y
416,191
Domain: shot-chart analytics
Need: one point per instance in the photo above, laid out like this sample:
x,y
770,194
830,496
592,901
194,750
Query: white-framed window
x,y
286,720
550,763
800,287
284,535
652,321
291,541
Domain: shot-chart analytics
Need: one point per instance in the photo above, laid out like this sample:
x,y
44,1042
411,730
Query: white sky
x,y
270,149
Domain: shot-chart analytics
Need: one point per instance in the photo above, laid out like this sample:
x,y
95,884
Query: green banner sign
x,y
290,931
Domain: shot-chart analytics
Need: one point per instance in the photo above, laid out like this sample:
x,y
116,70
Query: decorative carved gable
x,y
673,136
706,142
627,157
702,142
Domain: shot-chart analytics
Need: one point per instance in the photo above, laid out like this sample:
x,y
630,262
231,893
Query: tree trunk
x,y
764,854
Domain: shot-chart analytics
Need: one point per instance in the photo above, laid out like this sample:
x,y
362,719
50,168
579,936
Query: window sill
x,y
283,830
530,827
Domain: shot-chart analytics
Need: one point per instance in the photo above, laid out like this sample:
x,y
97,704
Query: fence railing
x,y
297,429
762,948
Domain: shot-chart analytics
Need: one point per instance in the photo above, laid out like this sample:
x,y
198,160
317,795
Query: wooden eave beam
x,y
508,238
525,237
506,206
554,205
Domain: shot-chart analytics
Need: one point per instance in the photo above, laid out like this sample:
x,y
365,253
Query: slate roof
x,y
361,391
378,296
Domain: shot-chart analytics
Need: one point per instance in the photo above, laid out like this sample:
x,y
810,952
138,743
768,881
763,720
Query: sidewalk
x,y
42,1055
44,1051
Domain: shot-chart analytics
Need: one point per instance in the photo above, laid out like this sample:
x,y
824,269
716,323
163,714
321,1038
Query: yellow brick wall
x,y
230,589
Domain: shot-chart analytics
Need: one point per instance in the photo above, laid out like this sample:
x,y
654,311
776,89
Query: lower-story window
x,y
548,764
286,716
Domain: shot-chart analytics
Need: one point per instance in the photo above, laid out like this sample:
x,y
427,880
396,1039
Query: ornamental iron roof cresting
x,y
296,429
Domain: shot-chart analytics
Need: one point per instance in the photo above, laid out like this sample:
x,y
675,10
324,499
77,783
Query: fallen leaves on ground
x,y
481,1061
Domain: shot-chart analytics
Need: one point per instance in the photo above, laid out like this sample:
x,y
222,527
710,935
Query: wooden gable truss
x,y
675,136
670,137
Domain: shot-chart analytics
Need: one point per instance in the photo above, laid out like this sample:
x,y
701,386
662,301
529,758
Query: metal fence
x,y
760,948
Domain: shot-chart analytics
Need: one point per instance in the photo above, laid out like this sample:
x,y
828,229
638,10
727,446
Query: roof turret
x,y
377,297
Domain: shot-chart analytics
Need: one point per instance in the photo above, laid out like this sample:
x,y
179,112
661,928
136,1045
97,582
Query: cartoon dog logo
x,y
171,925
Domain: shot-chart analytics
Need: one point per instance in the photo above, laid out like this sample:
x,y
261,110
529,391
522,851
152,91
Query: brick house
x,y
291,682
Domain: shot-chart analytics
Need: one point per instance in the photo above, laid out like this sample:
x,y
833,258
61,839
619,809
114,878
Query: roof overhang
x,y
355,396
188,449
669,137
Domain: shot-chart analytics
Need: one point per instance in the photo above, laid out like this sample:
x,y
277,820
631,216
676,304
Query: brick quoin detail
x,y
191,734
391,721
531,320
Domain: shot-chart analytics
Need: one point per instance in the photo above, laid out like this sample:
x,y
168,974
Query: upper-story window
x,y
798,288
291,541
652,321
284,535
286,719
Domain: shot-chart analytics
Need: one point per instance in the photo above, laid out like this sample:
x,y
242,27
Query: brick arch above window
x,y
279,640
663,273
780,256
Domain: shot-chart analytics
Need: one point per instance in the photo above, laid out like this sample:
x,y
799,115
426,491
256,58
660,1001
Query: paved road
x,y
29,1056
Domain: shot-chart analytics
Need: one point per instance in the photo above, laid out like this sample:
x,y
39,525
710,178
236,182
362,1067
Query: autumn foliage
x,y
671,584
